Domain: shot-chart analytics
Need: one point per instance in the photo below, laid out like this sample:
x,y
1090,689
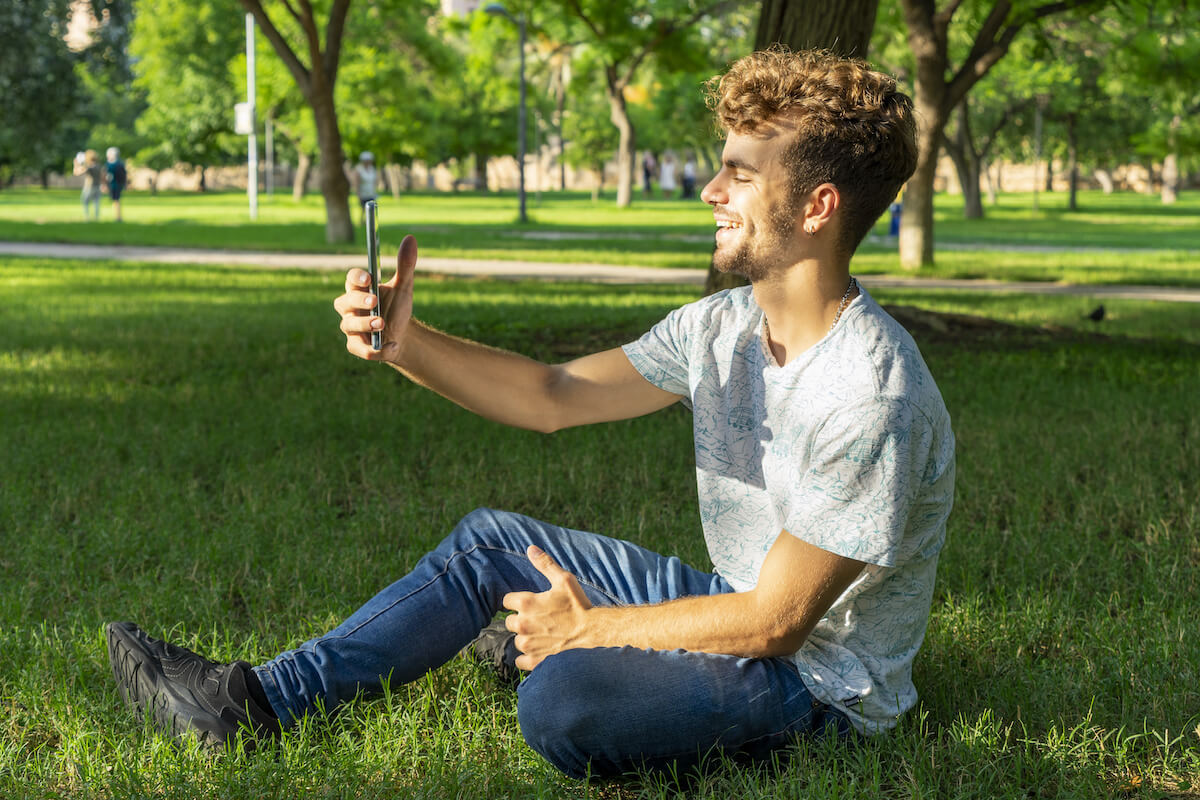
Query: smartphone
x,y
371,211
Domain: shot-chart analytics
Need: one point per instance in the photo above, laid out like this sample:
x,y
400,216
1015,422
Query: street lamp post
x,y
496,9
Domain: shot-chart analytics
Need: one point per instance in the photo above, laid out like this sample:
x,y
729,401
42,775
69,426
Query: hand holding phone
x,y
371,212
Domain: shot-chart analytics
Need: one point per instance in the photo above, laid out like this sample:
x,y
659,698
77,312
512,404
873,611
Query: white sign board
x,y
243,119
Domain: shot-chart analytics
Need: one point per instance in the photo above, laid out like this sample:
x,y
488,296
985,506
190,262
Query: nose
x,y
713,192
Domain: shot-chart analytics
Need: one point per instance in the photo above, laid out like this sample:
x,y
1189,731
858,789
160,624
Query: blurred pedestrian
x,y
666,175
115,168
365,178
689,177
649,170
88,165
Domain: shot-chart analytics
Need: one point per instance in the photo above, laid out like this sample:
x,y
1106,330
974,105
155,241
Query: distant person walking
x,y
666,176
649,169
116,179
365,178
88,165
689,177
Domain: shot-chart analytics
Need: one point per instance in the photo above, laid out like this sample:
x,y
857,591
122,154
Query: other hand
x,y
395,307
547,622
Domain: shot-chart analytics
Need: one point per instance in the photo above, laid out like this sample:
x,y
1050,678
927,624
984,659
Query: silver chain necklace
x,y
766,331
842,305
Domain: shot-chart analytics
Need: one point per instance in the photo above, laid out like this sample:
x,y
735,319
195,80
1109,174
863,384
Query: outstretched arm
x,y
502,386
797,585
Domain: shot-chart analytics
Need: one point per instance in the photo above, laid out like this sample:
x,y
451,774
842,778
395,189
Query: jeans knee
x,y
481,526
559,717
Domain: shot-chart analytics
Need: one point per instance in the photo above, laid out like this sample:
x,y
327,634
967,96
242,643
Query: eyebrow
x,y
745,166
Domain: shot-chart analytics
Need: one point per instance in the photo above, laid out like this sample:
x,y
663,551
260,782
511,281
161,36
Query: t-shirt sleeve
x,y
661,354
859,481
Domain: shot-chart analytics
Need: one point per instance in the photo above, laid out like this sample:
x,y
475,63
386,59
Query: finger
x,y
354,302
515,601
360,345
546,565
526,663
357,279
352,323
406,263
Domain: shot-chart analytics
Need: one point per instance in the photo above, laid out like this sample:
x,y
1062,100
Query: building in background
x,y
460,7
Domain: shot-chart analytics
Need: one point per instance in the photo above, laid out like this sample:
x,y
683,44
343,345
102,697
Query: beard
x,y
760,255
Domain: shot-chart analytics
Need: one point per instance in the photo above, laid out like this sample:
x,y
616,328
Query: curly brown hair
x,y
855,128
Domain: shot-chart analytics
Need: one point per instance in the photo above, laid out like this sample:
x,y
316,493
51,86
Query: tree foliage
x,y
185,63
38,84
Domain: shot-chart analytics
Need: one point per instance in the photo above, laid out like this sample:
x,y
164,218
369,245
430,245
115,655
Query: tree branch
x,y
282,48
334,30
669,30
942,18
308,23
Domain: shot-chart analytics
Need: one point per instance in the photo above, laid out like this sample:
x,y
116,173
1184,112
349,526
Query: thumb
x,y
406,262
546,565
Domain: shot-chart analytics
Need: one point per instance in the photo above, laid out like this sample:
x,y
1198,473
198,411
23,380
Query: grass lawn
x,y
192,448
1147,242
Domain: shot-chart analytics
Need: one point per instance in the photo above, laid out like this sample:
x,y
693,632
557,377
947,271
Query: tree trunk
x,y
335,187
966,164
843,27
203,187
992,195
626,148
1072,165
1170,168
916,218
45,175
300,181
481,178
395,174
560,110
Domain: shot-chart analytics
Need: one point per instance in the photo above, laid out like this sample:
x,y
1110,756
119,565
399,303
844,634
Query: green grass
x,y
192,448
570,228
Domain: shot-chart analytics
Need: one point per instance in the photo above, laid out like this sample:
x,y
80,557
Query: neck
x,y
801,303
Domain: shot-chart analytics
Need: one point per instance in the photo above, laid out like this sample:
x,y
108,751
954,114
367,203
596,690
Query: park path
x,y
591,273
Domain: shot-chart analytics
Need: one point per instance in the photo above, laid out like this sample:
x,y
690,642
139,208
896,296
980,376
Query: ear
x,y
819,208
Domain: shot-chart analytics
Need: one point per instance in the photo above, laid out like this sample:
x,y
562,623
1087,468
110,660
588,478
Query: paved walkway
x,y
593,273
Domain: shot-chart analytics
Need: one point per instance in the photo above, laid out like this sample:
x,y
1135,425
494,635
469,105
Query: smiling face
x,y
753,207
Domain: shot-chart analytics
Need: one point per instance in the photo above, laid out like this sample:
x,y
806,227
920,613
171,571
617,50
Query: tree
x,y
939,88
843,27
185,56
811,24
1009,91
316,77
591,137
624,33
1163,60
38,84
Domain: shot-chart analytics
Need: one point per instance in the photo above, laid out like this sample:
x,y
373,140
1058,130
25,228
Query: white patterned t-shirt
x,y
847,447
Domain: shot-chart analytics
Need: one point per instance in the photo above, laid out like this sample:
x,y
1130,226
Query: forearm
x,y
501,386
734,624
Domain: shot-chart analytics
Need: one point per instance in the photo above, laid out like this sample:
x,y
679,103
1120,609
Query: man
x,y
364,178
824,462
115,170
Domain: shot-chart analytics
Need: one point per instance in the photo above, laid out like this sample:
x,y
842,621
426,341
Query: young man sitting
x,y
824,463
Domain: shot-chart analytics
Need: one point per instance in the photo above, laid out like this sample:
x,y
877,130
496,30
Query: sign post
x,y
252,144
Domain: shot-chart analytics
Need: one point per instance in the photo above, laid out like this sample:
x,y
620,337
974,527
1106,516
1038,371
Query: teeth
x,y
724,223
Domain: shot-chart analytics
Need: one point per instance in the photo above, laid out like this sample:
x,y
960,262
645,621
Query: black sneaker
x,y
496,647
183,693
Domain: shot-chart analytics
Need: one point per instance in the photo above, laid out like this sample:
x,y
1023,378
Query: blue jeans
x,y
600,712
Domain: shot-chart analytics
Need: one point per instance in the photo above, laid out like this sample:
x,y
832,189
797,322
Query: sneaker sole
x,y
140,685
